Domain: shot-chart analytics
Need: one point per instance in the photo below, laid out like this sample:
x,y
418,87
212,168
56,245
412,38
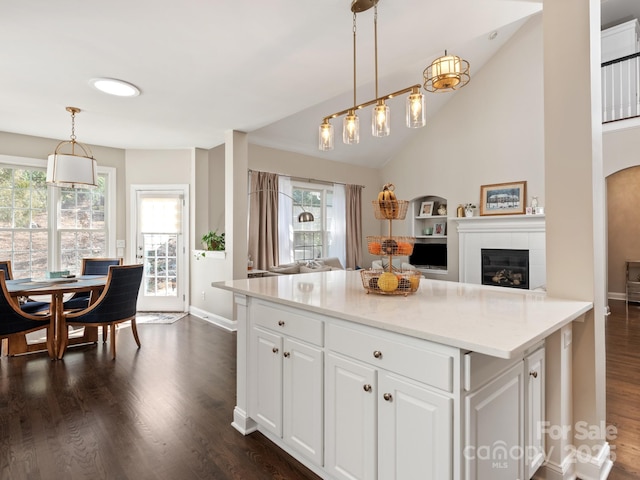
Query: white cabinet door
x,y
534,411
494,428
414,430
350,423
302,402
266,401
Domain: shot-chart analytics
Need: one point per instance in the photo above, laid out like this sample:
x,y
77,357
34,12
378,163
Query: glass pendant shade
x,y
416,110
351,129
64,170
380,121
325,137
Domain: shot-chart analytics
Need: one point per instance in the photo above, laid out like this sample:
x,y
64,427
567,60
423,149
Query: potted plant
x,y
213,241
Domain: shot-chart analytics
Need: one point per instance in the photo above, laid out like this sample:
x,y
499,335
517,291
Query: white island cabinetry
x,y
286,392
359,386
375,392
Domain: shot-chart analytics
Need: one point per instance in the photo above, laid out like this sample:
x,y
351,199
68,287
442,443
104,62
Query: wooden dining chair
x,y
29,306
13,320
116,304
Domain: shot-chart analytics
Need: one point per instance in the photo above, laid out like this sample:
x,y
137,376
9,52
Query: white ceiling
x,y
271,68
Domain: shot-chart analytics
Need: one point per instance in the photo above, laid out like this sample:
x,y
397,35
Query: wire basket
x,y
381,245
390,209
402,282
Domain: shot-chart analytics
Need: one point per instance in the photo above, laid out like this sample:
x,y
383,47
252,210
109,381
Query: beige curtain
x,y
263,219
353,194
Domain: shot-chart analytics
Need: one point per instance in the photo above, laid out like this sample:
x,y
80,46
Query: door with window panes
x,y
160,248
311,239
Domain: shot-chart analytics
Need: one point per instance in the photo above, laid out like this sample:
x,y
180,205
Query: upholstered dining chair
x,y
90,266
30,306
116,304
13,320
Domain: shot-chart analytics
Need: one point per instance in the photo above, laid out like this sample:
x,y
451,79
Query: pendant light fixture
x,y
77,169
444,74
380,120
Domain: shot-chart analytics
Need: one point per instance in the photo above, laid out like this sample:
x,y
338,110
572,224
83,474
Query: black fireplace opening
x,y
505,268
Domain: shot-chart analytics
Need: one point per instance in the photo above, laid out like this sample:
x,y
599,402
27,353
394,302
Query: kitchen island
x,y
446,383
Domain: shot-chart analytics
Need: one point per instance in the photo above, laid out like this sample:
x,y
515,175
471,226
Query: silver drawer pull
x,y
377,354
367,387
388,397
275,350
281,323
534,374
286,354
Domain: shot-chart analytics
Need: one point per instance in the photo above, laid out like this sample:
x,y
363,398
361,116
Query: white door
x,y
493,433
414,430
302,403
350,423
160,225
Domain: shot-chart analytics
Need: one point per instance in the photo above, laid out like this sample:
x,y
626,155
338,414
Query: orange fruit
x,y
375,248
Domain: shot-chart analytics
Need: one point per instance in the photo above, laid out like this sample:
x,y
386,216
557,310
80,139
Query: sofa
x,y
307,266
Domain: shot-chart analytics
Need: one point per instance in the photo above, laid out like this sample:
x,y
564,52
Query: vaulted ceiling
x,y
270,68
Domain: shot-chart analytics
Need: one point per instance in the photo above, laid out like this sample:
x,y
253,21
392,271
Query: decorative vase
x,y
468,212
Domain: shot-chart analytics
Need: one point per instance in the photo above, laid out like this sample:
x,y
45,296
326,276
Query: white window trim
x,y
109,172
324,188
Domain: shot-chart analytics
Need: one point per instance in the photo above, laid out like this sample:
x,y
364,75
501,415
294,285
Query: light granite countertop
x,y
496,321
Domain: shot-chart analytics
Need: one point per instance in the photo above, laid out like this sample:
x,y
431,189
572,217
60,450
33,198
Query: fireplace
x,y
505,268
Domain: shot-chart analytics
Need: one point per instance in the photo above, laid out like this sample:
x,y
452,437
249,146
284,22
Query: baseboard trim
x,y
616,296
217,320
590,467
554,471
242,423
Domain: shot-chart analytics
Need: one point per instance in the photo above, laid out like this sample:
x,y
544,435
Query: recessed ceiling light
x,y
116,87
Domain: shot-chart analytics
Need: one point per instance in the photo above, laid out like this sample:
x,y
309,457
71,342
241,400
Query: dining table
x,y
56,288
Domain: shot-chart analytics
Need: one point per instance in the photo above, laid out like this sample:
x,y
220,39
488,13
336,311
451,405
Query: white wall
x,y
491,131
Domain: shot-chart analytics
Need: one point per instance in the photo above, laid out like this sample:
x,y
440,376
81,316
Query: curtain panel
x,y
263,219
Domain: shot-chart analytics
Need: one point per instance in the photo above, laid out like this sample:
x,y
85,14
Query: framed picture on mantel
x,y
503,198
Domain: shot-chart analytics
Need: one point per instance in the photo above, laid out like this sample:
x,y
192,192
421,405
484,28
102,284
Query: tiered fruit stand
x,y
390,280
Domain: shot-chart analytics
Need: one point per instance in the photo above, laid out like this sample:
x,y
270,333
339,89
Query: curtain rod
x,y
310,180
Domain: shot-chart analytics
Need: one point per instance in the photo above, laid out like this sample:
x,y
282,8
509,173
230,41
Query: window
x,y
36,219
24,234
82,230
312,239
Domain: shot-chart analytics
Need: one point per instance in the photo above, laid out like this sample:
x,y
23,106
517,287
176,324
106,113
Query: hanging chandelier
x,y
446,78
74,169
446,73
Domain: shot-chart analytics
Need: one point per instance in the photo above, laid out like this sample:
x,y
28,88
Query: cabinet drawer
x,y
420,360
288,323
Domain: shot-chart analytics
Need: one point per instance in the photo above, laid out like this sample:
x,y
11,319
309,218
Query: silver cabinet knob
x,y
377,354
286,354
388,397
534,374
366,387
281,323
275,350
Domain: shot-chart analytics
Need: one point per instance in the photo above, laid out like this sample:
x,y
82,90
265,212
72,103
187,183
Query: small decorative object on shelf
x,y
460,211
390,280
468,209
442,209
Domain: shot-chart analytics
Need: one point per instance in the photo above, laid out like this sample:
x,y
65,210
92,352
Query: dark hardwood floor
x,y
623,389
161,412
164,411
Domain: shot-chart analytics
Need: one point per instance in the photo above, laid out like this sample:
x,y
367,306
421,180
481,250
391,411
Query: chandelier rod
x,y
375,41
371,102
354,59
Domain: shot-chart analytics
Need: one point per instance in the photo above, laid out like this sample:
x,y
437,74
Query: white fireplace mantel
x,y
519,232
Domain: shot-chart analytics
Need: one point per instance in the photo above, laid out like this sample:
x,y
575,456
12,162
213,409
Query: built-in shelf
x,y
431,236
